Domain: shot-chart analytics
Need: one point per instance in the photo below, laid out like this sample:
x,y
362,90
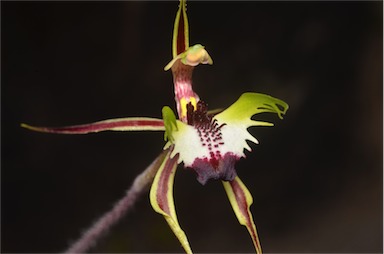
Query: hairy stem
x,y
105,222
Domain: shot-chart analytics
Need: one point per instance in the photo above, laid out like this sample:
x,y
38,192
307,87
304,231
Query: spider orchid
x,y
209,142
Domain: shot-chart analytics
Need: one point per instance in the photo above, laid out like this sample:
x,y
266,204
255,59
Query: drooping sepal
x,y
241,200
161,197
118,124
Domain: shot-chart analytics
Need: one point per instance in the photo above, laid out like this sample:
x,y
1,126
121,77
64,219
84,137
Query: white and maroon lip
x,y
208,145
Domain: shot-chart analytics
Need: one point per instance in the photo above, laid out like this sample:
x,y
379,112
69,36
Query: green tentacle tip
x,y
277,106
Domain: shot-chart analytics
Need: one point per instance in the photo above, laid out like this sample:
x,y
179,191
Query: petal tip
x,y
32,128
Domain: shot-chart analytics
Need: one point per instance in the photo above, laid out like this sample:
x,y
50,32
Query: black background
x,y
316,177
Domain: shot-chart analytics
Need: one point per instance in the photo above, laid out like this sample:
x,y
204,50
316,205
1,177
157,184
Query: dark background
x,y
316,177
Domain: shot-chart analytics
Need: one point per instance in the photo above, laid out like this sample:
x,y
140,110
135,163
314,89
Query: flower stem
x,y
105,222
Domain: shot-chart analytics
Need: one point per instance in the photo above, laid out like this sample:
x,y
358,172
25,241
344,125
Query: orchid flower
x,y
209,142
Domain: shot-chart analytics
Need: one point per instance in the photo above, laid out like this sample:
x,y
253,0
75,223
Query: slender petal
x,y
161,197
241,199
118,124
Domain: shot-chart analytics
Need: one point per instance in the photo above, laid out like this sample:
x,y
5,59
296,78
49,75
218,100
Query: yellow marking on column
x,y
184,102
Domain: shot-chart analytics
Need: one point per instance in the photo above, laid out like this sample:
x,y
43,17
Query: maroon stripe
x,y
93,127
180,34
243,205
163,184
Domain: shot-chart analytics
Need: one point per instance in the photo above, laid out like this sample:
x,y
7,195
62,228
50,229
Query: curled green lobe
x,y
169,119
250,104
